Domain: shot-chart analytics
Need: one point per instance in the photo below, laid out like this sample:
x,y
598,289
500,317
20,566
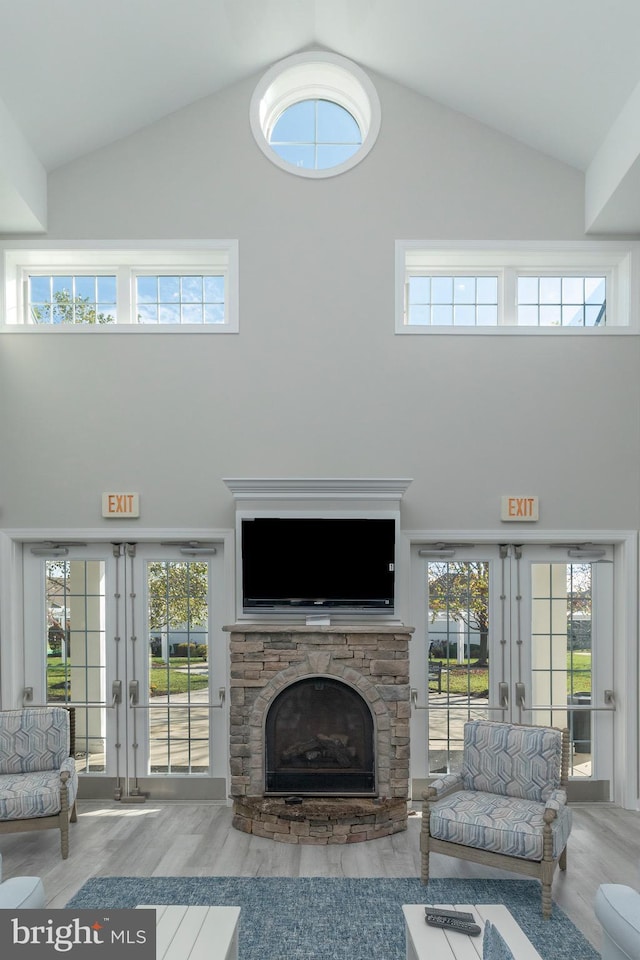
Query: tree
x,y
69,309
178,593
460,589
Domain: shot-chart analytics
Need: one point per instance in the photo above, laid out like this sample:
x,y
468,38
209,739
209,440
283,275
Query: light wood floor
x,y
197,839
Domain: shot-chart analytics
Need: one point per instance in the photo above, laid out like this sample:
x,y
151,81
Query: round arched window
x,y
315,114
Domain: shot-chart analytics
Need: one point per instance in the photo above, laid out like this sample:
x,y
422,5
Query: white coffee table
x,y
195,933
427,943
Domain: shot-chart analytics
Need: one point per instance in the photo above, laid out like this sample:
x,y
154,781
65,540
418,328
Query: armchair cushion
x,y
515,761
24,796
488,821
36,738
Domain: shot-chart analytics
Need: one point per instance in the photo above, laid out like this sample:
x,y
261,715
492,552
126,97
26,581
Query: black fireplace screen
x,y
319,740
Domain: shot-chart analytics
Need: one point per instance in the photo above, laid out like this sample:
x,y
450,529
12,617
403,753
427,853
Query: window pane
x,y
550,316
464,316
62,285
214,289
442,315
298,155
594,289
442,290
41,313
107,289
147,289
528,316
40,289
86,287
169,289
336,125
332,155
487,289
464,290
420,290
192,313
296,124
191,289
528,290
573,316
550,289
594,316
147,313
572,290
419,313
487,316
214,313
169,313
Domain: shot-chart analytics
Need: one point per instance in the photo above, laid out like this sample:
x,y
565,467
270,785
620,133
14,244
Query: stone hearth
x,y
371,659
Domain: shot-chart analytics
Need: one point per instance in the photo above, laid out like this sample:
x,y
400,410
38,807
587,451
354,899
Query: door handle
x,y
133,693
503,694
520,695
116,692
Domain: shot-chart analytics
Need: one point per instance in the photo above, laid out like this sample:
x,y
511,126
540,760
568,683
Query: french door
x,y
523,634
129,636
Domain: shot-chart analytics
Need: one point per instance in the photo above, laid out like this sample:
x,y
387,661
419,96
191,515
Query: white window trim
x,y
215,257
618,261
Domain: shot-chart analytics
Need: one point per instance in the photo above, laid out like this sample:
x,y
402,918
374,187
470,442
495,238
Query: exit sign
x,y
120,505
519,508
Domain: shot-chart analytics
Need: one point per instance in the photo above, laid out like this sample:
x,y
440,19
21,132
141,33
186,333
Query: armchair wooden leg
x,y
424,841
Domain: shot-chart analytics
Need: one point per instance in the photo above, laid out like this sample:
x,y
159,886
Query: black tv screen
x,y
318,564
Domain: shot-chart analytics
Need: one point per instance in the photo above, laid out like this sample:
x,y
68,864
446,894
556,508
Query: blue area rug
x,y
321,918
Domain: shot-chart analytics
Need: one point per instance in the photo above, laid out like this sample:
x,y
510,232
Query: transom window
x,y
562,301
585,288
58,289
459,301
180,299
72,299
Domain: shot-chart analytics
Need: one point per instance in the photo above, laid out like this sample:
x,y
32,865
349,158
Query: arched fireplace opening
x,y
319,740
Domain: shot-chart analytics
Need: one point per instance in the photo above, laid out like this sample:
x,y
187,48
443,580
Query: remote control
x,y
460,926
456,914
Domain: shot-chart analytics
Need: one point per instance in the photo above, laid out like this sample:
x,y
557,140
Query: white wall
x,y
316,383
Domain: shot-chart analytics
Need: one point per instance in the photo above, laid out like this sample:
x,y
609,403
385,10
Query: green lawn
x,y
174,677
459,680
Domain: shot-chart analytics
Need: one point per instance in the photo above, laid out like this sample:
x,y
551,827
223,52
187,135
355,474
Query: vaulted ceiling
x,y
562,76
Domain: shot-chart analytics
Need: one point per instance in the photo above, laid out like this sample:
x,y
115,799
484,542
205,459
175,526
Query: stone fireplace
x,y
319,730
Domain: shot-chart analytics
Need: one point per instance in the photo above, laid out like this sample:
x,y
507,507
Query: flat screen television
x,y
318,565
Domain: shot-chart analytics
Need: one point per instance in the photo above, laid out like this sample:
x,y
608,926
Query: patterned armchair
x,y
508,805
38,778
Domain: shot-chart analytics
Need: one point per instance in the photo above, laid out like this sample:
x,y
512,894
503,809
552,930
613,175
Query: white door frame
x,y
12,676
625,784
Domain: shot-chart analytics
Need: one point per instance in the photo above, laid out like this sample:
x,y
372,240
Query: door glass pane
x,y
178,617
561,652
458,665
75,651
